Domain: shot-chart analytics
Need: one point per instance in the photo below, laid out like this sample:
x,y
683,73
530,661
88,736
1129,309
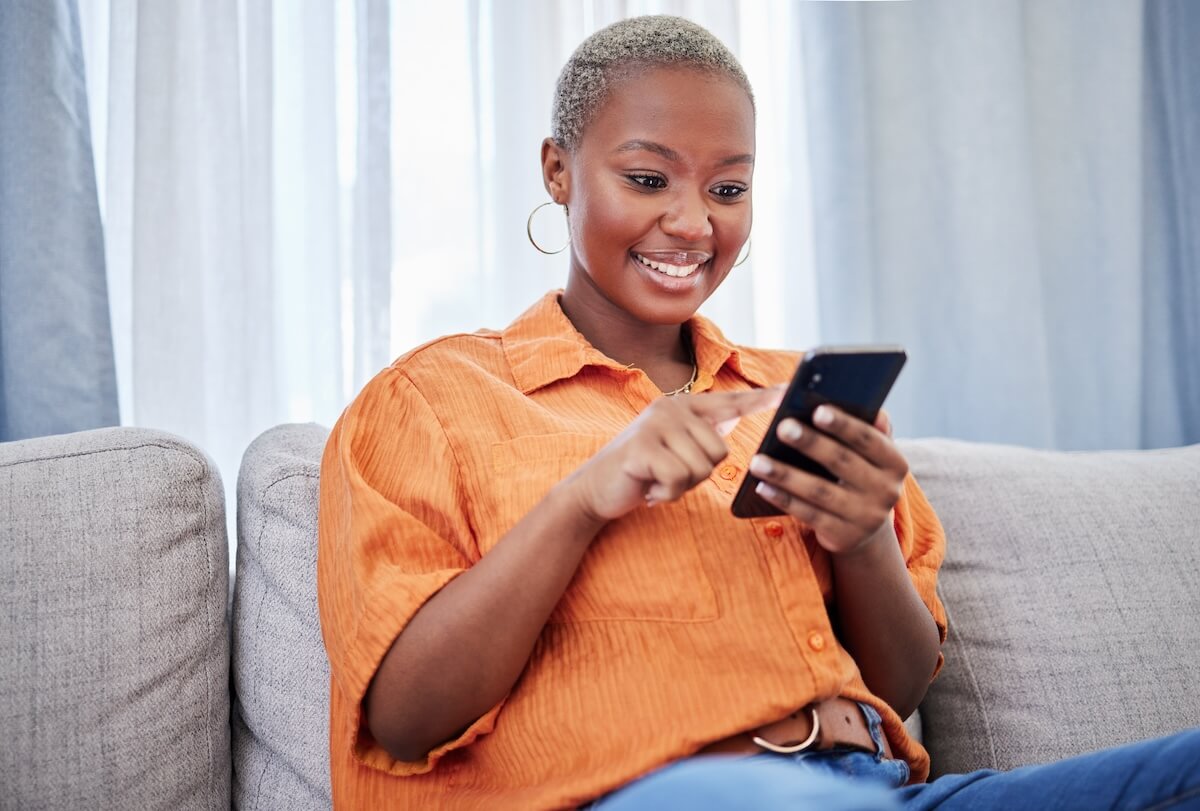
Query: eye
x,y
648,181
729,191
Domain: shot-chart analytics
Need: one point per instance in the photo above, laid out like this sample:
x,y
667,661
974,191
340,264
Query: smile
x,y
678,271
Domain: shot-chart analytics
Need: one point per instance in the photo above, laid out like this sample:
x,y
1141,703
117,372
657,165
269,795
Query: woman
x,y
532,591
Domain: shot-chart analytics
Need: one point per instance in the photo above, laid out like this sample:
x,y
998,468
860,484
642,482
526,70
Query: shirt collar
x,y
542,346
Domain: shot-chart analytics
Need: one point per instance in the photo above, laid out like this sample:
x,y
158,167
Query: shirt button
x,y
774,529
816,641
728,472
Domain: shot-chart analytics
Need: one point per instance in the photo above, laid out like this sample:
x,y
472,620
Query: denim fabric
x,y
872,767
1155,775
758,783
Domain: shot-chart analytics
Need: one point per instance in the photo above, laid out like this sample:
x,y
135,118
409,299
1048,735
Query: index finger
x,y
717,407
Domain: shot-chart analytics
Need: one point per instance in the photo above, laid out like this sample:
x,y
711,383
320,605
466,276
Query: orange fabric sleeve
x,y
923,544
393,530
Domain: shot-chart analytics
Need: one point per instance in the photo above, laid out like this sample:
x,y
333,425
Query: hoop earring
x,y
747,256
529,229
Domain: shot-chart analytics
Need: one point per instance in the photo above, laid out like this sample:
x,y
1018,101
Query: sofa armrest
x,y
113,585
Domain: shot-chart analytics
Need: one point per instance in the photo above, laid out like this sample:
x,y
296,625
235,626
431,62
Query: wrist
x,y
877,548
568,500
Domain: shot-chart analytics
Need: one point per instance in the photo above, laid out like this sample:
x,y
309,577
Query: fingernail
x,y
823,415
726,428
760,466
765,490
790,430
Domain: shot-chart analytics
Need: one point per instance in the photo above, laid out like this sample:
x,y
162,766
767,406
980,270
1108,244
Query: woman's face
x,y
658,190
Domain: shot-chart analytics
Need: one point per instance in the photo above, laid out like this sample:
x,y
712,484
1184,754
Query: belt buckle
x,y
798,747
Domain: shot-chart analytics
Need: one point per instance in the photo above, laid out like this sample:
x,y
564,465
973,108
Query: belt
x,y
815,727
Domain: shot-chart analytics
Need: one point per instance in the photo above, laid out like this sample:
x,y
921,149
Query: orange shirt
x,y
682,626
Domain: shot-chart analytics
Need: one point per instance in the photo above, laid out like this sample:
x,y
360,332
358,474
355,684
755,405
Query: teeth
x,y
677,271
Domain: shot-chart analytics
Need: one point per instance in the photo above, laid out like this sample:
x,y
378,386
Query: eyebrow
x,y
666,152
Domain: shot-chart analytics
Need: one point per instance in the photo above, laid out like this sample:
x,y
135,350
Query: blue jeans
x,y
1150,776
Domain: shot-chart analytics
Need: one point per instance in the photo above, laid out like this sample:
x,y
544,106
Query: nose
x,y
687,219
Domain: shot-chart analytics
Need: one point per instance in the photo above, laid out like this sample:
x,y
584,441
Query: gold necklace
x,y
686,388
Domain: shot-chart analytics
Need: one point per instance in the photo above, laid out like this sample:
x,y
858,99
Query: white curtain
x,y
241,163
296,192
466,167
1004,188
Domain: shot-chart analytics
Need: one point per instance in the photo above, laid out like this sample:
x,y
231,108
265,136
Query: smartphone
x,y
856,379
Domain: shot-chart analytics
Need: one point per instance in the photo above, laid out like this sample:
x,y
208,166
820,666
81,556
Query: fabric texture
x,y
1016,178
1171,248
56,351
236,200
1009,189
1151,775
1073,590
446,450
761,783
280,672
113,589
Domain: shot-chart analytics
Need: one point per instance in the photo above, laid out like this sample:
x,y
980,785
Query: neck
x,y
660,350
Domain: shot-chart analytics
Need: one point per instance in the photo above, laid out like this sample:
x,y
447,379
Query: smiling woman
x,y
571,526
658,195
533,592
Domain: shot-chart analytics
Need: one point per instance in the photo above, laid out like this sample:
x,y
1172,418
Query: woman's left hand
x,y
848,514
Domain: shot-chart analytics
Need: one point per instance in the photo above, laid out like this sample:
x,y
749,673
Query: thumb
x,y
883,422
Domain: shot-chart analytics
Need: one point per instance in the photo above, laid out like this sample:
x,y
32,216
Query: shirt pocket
x,y
645,565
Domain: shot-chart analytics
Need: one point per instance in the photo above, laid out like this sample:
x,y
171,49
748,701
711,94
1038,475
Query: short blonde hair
x,y
618,50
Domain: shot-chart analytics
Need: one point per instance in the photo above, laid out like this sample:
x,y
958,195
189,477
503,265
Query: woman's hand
x,y
880,618
670,448
848,514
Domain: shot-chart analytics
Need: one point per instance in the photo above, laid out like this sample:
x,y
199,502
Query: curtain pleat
x,y
977,178
56,352
371,269
1170,376
295,193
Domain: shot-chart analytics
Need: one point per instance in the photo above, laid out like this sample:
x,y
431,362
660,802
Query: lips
x,y
677,264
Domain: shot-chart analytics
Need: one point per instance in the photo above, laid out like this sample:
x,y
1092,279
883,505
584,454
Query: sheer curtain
x,y
244,179
295,193
1004,188
467,175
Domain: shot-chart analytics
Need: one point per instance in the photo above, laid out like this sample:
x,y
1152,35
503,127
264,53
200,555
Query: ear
x,y
556,171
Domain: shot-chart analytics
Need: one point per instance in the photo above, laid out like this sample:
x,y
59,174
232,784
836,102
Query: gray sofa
x,y
1072,584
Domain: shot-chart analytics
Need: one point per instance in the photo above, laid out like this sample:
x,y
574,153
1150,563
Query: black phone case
x,y
855,379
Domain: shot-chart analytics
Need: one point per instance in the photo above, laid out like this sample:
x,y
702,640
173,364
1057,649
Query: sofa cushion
x,y
113,587
1072,583
280,673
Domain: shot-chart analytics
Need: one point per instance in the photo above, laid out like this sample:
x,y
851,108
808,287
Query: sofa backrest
x,y
1072,584
114,667
280,672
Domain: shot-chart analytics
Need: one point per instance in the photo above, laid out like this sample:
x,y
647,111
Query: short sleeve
x,y
393,529
923,544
